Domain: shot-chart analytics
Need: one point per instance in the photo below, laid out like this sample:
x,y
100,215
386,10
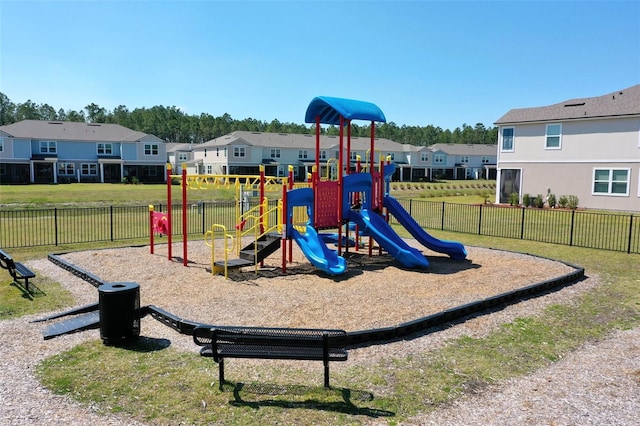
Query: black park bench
x,y
17,270
271,343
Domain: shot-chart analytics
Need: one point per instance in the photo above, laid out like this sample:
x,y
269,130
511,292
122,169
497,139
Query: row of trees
x,y
173,125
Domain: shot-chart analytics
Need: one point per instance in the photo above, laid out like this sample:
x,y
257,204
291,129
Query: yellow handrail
x,y
226,249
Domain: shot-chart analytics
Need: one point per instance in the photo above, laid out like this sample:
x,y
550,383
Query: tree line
x,y
173,125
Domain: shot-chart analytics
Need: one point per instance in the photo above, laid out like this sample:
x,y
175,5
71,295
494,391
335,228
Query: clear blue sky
x,y
421,62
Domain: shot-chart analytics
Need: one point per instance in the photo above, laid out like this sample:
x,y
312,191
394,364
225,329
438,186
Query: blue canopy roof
x,y
330,109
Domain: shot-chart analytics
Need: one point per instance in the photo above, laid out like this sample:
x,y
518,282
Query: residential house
x,y
458,161
242,152
587,147
34,151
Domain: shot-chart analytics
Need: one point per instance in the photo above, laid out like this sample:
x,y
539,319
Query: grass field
x,y
96,194
167,386
173,389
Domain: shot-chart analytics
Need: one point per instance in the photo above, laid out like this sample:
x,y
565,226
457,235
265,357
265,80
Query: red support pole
x,y
184,216
290,184
316,173
348,147
373,143
169,221
284,219
151,228
340,168
261,192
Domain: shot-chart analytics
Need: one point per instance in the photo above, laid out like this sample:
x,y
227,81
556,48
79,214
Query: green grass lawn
x,y
108,194
161,385
165,386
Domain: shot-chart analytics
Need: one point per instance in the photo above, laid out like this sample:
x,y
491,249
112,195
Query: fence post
x,y
55,223
442,220
480,221
203,208
524,209
111,220
630,233
573,214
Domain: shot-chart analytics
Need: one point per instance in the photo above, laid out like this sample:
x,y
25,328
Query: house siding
x,y
599,133
76,144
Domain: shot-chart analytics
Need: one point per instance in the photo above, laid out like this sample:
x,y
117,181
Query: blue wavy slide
x,y
320,256
453,249
375,226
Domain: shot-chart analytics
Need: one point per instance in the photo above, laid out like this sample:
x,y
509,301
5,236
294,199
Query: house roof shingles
x,y
72,131
620,103
300,141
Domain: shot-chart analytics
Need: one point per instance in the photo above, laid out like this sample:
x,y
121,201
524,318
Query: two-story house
x,y
587,147
242,152
35,151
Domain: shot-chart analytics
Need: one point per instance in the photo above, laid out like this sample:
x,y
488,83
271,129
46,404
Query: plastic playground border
x,y
361,338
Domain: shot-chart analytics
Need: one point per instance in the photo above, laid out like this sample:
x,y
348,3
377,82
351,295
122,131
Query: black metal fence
x,y
62,226
607,231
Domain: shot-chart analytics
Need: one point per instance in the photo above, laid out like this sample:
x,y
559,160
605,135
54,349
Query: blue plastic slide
x,y
453,249
375,226
320,256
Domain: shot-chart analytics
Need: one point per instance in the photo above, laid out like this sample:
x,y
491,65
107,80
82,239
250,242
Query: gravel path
x,y
596,385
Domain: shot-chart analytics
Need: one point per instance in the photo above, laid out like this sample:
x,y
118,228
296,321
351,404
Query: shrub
x,y
487,196
125,180
538,201
572,202
526,200
563,201
551,200
514,198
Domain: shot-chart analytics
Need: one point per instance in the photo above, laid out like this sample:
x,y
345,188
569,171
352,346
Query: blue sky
x,y
421,62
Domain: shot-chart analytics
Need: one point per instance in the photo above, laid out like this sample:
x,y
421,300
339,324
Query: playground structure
x,y
346,199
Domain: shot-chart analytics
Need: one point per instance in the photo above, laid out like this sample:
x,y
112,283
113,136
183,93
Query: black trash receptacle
x,y
119,305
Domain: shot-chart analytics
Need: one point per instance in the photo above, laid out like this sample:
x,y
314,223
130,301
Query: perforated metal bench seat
x,y
17,270
271,343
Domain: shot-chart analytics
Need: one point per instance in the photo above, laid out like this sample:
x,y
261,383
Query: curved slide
x,y
375,226
453,249
320,256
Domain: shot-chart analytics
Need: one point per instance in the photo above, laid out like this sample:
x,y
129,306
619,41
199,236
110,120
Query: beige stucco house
x,y
242,152
587,147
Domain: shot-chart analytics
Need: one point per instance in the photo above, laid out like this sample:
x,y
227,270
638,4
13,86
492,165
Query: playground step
x,y
234,263
266,245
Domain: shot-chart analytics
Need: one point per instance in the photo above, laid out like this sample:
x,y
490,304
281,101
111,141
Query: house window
x,y
151,149
554,136
424,157
1,145
507,139
354,156
464,159
209,169
105,149
149,171
183,156
48,147
238,151
392,155
302,154
611,181
66,169
485,159
89,169
275,153
323,155
438,158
